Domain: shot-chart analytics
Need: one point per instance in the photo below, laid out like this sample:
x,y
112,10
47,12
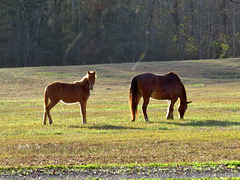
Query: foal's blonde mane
x,y
83,81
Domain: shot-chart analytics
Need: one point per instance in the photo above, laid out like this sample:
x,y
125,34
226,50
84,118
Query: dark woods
x,y
68,32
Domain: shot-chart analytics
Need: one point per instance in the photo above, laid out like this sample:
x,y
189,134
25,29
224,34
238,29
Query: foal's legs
x,y
170,108
47,111
44,117
83,105
144,108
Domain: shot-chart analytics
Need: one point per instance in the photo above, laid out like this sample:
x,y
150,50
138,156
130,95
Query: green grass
x,y
209,132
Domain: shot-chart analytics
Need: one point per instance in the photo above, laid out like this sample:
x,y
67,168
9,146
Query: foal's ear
x,y
93,72
188,102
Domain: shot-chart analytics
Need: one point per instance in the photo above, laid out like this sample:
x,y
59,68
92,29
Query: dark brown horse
x,y
167,87
79,91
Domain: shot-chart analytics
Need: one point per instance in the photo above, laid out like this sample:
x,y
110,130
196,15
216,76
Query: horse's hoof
x,y
146,120
132,120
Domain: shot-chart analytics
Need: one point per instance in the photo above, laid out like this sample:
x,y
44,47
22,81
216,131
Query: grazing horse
x,y
79,91
168,87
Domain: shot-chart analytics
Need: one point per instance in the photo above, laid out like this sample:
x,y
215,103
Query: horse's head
x,y
182,109
91,79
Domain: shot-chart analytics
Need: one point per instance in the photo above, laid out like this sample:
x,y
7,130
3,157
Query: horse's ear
x,y
188,102
89,72
95,74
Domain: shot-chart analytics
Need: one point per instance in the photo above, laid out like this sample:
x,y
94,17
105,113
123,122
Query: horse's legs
x,y
47,110
83,105
144,108
170,108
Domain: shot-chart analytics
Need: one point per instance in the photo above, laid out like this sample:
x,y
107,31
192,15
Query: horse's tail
x,y
133,98
45,98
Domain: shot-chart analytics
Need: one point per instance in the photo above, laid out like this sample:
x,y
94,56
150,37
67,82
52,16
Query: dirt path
x,y
123,173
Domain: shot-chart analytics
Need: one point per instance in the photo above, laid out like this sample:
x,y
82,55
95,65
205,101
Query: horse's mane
x,y
173,76
183,96
83,81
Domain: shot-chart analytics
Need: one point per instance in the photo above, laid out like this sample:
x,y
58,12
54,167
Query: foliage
x,y
42,32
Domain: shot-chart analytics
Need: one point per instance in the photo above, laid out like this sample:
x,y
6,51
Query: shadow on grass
x,y
208,123
113,127
107,127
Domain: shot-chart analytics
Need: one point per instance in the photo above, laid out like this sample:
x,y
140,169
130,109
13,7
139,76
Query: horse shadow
x,y
207,123
106,127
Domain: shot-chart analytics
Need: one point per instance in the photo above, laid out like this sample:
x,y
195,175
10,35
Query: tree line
x,y
70,32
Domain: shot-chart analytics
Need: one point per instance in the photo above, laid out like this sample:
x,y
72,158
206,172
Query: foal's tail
x,y
133,98
45,98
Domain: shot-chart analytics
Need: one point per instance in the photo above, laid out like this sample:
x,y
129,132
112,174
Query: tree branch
x,y
237,2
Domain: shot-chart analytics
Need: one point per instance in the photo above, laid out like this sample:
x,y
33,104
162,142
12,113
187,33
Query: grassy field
x,y
209,132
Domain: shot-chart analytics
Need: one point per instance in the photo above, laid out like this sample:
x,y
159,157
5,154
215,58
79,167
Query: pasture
x,y
209,132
